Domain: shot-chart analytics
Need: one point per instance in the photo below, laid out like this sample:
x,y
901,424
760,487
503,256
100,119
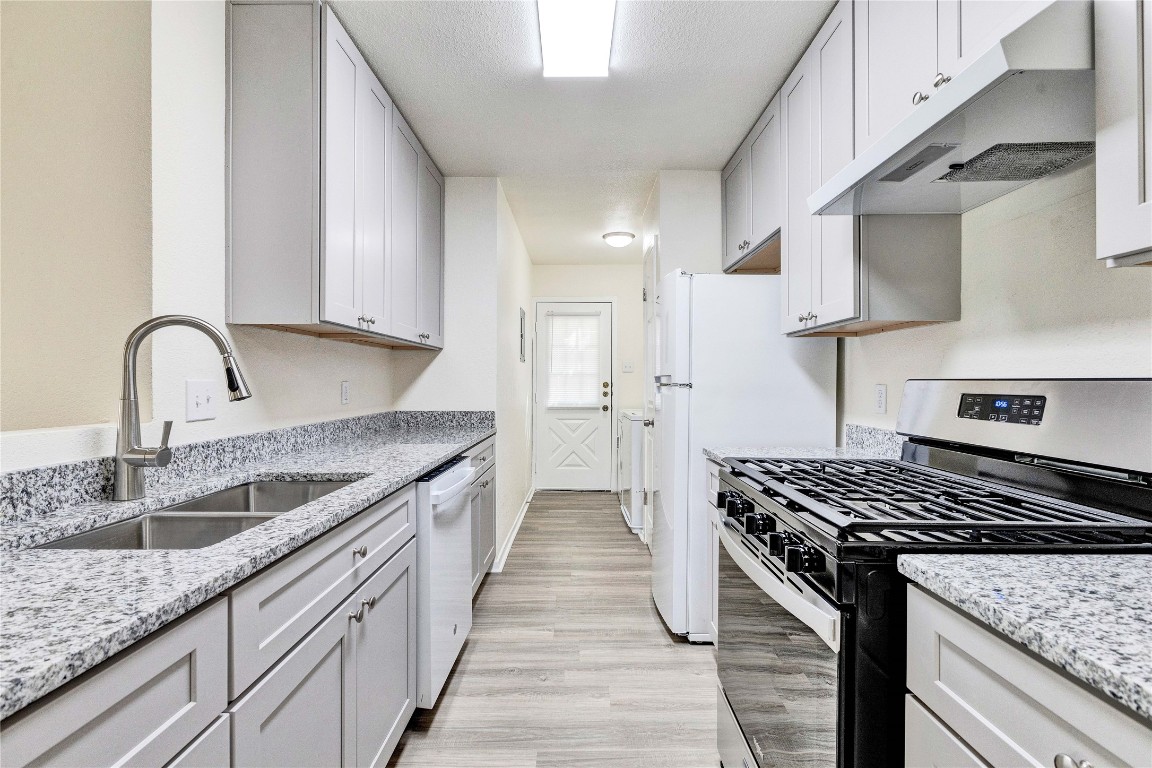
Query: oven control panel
x,y
1009,409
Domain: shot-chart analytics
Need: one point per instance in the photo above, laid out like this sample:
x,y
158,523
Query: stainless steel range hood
x,y
1022,110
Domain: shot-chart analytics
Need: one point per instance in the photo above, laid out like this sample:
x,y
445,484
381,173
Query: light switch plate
x,y
345,393
629,367
199,400
881,403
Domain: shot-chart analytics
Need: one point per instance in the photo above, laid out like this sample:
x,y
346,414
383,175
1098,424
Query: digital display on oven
x,y
1008,409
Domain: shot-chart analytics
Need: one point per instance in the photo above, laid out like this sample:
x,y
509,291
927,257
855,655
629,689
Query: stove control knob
x,y
759,523
722,499
738,506
778,541
800,558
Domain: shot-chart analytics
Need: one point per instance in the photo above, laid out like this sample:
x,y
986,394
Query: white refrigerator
x,y
726,377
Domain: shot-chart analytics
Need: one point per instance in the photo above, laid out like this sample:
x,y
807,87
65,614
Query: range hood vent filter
x,y
1020,162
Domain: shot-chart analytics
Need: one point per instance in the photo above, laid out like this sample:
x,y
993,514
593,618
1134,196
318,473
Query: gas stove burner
x,y
882,499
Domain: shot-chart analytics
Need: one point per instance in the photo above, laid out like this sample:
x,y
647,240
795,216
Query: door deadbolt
x,y
603,407
605,385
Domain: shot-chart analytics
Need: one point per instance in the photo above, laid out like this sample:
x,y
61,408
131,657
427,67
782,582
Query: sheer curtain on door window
x,y
574,360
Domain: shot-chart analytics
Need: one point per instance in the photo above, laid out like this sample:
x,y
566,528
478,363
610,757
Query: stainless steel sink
x,y
161,530
266,498
204,521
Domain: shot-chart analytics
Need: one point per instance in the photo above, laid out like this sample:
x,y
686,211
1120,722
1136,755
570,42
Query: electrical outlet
x,y
345,393
881,404
199,400
629,367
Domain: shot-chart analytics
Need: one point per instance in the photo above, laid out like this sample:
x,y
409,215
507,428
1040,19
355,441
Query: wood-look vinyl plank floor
x,y
568,664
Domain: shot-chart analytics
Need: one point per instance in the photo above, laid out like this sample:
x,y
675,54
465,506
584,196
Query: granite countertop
x,y
720,453
65,611
1090,615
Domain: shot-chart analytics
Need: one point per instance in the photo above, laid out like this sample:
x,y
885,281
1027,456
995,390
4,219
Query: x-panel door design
x,y
573,396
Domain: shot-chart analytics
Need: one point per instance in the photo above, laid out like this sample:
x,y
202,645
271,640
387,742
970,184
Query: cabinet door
x,y
301,713
211,749
430,249
736,193
766,176
895,58
375,116
835,256
968,28
405,181
384,643
487,522
928,744
1123,128
340,262
475,503
796,115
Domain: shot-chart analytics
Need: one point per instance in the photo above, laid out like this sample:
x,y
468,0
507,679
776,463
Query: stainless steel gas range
x,y
811,608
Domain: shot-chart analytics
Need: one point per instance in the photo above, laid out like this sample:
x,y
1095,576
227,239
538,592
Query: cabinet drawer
x,y
482,455
274,609
140,708
713,481
929,744
1009,706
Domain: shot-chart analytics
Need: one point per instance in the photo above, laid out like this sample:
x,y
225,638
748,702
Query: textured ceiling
x,y
578,157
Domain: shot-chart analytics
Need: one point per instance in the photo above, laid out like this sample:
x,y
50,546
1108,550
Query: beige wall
x,y
1035,303
623,282
463,375
513,378
75,227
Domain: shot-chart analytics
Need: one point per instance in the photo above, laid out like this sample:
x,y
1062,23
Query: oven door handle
x,y
821,617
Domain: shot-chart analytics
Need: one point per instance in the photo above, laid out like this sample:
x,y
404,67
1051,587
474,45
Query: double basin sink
x,y
204,521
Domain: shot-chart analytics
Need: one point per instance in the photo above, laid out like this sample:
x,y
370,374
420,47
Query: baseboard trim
x,y
506,547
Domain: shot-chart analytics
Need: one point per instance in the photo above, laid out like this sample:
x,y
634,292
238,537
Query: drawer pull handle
x,y
358,614
361,550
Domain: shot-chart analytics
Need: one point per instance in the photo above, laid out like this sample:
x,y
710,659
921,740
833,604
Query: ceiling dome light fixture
x,y
619,239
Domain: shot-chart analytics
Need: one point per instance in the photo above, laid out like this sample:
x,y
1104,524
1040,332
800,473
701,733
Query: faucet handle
x,y
163,454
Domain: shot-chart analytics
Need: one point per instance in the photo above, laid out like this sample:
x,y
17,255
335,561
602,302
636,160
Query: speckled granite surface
x,y
861,443
1090,615
64,611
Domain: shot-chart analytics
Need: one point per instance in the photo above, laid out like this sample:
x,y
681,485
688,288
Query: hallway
x,y
568,663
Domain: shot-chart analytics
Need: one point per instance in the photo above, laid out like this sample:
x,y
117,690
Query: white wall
x,y
513,378
463,375
683,209
294,379
1035,303
75,223
625,284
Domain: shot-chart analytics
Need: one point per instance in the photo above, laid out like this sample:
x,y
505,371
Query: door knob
x,y
605,385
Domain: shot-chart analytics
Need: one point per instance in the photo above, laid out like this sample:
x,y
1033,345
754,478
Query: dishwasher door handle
x,y
444,495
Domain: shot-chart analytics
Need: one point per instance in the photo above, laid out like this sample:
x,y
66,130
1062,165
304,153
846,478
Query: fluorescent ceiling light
x,y
619,239
576,36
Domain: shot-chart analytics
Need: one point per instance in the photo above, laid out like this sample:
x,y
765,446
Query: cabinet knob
x,y
740,247
358,614
1063,760
371,321
362,551
370,602
919,98
940,80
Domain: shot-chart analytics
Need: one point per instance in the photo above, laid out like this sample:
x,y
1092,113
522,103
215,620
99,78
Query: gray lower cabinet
x,y
140,708
342,696
211,749
483,503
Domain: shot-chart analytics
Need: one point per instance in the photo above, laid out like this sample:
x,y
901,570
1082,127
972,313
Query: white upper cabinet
x,y
405,180
430,253
851,275
766,205
887,84
1124,131
417,258
314,166
737,197
968,28
753,189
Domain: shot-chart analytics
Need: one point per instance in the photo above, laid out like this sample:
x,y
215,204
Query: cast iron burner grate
x,y
883,497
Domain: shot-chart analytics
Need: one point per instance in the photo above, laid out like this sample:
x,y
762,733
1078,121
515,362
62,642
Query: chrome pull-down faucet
x,y
131,457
